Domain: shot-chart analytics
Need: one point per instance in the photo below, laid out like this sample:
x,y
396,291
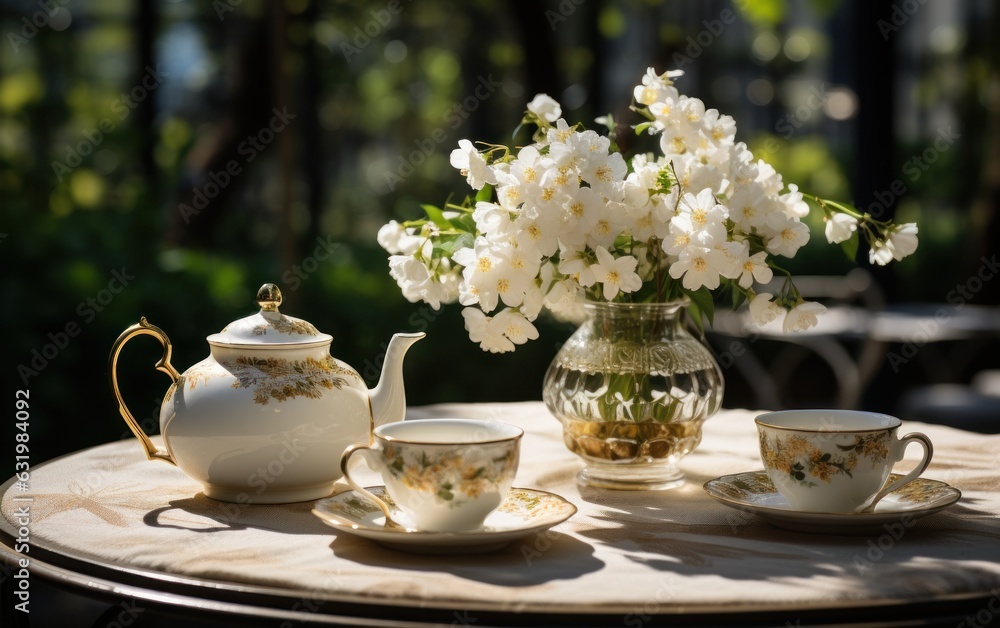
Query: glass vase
x,y
632,387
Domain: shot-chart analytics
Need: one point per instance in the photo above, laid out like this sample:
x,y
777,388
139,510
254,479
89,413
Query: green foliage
x,y
763,13
66,236
702,306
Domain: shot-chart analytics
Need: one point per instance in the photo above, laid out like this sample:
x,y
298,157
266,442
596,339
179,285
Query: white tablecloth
x,y
627,552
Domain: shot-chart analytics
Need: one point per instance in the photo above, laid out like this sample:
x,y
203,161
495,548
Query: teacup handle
x,y
924,442
364,450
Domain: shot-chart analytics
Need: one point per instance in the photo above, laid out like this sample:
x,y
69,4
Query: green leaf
x,y
641,128
850,246
665,180
696,317
739,297
447,245
485,194
846,208
702,297
464,222
436,216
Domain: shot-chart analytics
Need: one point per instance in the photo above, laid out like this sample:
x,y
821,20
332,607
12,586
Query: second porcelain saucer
x,y
754,492
523,512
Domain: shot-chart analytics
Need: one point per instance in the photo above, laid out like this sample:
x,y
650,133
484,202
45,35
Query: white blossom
x,y
701,218
616,274
901,240
471,163
793,202
484,330
545,107
749,206
416,282
879,253
763,309
700,267
802,316
567,221
839,227
787,234
755,268
515,326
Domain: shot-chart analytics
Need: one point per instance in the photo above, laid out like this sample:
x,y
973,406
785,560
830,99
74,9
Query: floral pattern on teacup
x,y
804,461
452,474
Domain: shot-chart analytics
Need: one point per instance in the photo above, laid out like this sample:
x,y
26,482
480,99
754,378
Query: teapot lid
x,y
269,327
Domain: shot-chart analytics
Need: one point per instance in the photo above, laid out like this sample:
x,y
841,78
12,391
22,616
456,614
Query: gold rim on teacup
x,y
759,420
394,439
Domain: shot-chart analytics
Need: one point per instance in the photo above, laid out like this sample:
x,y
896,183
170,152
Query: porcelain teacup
x,y
835,461
445,475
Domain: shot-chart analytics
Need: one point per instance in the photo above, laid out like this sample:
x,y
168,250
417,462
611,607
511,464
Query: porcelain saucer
x,y
754,492
524,512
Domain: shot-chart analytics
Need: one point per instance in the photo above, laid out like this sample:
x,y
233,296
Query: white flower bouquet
x,y
567,218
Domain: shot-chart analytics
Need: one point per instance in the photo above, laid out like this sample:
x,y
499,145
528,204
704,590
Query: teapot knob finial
x,y
269,297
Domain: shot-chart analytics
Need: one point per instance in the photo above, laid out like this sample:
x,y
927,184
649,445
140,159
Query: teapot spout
x,y
388,398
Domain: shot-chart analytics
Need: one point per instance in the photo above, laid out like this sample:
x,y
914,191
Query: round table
x,y
110,524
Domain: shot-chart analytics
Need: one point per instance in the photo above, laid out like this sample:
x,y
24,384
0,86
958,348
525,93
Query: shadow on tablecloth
x,y
535,560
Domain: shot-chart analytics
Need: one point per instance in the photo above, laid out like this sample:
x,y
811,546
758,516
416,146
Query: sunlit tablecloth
x,y
628,552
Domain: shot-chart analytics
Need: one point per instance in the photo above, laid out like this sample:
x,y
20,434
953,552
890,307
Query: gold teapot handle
x,y
142,328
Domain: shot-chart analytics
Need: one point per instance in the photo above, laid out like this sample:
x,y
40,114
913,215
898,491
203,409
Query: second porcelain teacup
x,y
445,475
835,460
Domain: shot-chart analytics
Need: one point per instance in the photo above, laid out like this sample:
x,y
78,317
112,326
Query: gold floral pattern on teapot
x,y
272,378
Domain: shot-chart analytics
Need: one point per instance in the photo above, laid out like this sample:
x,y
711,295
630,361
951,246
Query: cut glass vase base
x,y
631,477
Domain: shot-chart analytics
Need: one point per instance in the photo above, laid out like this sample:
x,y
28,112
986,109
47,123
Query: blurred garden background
x,y
166,158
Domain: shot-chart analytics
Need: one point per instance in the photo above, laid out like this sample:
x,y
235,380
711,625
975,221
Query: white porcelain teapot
x,y
265,417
